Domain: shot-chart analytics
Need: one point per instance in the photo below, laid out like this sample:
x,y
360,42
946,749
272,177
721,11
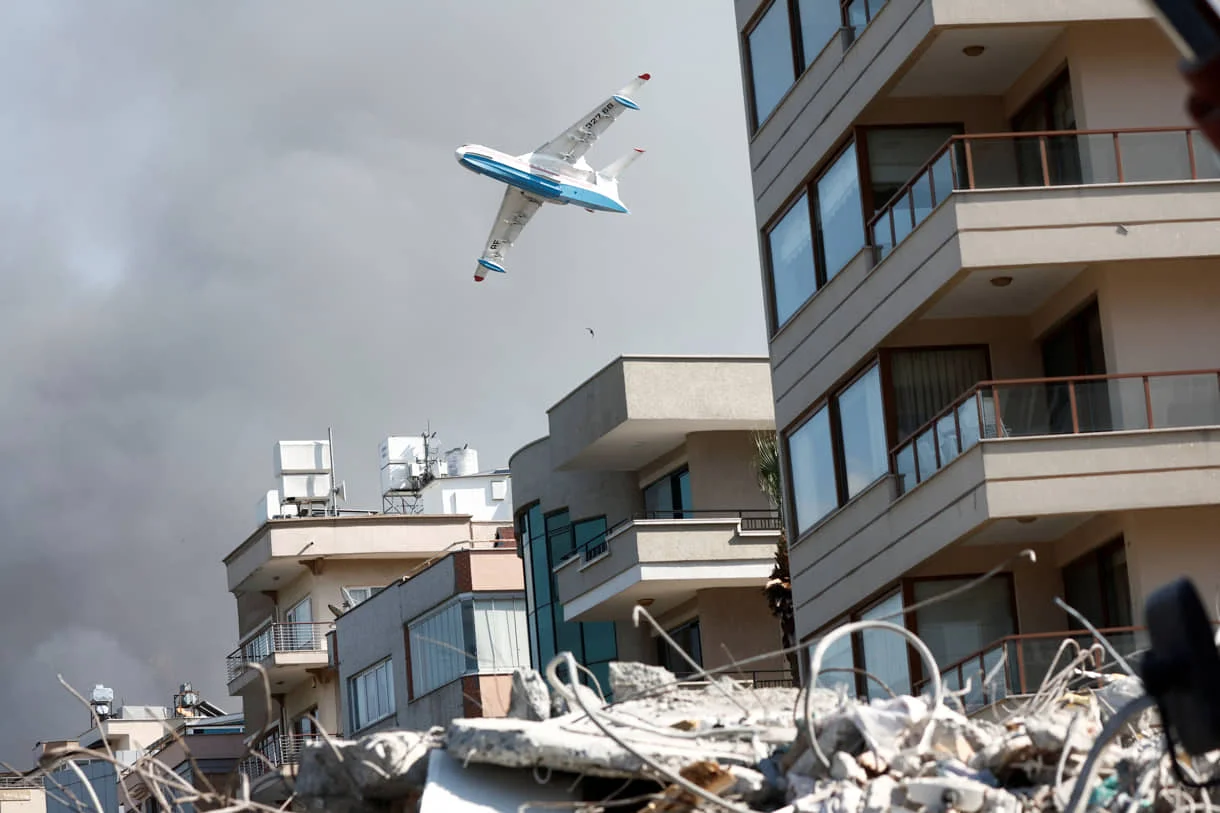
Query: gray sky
x,y
228,223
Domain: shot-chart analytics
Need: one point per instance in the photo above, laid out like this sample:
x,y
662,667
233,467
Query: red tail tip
x,y
637,149
477,278
645,76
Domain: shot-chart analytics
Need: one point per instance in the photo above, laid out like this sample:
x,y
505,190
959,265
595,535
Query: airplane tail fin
x,y
616,168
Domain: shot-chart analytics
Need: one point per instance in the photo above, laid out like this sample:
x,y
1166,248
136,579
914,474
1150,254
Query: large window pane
x,y
600,643
885,651
927,381
813,471
895,154
862,417
960,626
793,276
840,216
820,20
559,536
771,68
837,666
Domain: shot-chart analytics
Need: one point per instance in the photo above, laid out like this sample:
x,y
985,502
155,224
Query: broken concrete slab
x,y
579,747
384,765
530,698
478,788
630,680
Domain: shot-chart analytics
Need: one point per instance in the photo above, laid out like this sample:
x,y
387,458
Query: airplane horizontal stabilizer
x,y
616,168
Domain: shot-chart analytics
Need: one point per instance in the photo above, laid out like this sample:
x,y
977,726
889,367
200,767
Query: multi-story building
x,y
989,238
305,565
439,643
134,735
646,493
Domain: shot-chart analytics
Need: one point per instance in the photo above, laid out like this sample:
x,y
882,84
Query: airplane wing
x,y
515,211
575,141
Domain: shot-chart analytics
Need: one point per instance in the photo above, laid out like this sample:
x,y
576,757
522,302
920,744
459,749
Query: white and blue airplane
x,y
556,172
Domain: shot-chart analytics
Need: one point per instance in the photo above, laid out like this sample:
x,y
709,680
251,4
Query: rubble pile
x,y
725,746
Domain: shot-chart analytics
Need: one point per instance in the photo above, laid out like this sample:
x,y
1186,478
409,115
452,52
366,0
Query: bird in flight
x,y
591,333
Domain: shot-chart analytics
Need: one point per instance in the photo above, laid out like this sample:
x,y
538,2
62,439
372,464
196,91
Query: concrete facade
x,y
380,629
291,578
1013,348
648,491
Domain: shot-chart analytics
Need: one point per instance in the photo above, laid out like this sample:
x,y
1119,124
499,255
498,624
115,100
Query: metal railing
x,y
1043,159
280,750
1027,659
768,678
748,520
1032,407
273,638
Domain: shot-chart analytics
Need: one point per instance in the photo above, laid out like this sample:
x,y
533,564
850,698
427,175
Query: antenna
x,y
404,498
338,489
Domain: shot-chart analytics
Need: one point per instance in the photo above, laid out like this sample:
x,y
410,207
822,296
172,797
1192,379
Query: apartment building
x,y
22,794
440,642
989,240
309,562
646,493
134,735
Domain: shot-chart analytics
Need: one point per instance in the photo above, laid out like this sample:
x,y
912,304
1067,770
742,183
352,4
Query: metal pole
x,y
331,504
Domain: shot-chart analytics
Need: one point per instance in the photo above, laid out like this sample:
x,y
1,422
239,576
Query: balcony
x,y
666,558
1018,664
1037,208
1043,407
1016,462
1042,160
287,651
275,753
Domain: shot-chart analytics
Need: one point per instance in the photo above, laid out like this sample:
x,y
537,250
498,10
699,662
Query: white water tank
x,y
396,476
308,487
270,507
401,449
462,462
302,457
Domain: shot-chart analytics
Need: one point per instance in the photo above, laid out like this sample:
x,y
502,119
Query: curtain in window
x,y
927,381
501,641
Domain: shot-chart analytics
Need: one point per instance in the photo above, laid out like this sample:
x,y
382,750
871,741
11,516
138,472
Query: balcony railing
x,y
747,519
1057,406
277,638
1042,160
1028,658
280,750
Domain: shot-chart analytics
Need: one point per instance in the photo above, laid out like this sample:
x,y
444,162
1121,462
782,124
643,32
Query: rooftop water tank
x,y
462,462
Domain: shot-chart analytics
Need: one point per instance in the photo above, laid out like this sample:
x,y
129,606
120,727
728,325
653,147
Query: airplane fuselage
x,y
548,180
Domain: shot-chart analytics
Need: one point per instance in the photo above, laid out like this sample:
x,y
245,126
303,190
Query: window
x,y
788,37
772,69
499,489
816,237
559,536
884,652
958,627
589,536
793,271
467,636
669,497
862,422
1097,586
896,154
298,633
356,595
840,213
839,451
372,695
926,380
686,636
813,472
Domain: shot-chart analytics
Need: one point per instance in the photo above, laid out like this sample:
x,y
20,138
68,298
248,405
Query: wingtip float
x,y
556,172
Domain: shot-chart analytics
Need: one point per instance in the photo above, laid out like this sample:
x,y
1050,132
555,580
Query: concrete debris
x,y
723,746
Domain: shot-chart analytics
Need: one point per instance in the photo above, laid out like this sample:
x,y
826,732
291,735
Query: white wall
x,y
473,495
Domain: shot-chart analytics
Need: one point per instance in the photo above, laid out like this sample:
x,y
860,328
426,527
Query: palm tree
x,y
778,588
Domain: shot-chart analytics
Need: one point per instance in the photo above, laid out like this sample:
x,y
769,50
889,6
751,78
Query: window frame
x,y
808,188
674,490
388,663
831,401
860,134
802,60
887,382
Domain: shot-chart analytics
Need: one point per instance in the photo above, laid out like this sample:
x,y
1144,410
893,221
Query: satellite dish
x,y
341,491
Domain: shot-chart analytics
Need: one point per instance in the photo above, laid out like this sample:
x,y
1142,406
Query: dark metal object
x,y
1181,671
